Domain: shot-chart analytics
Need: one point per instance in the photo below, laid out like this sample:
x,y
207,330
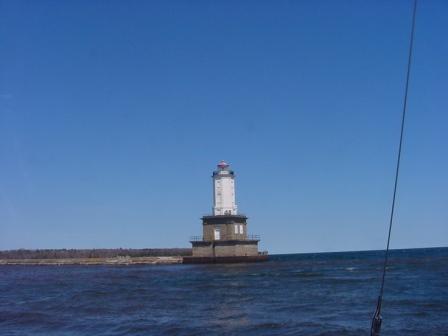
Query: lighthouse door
x,y
217,234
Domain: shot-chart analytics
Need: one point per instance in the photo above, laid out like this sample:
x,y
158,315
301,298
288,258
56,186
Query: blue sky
x,y
113,115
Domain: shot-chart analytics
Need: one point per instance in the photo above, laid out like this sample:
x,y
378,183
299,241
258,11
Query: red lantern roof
x,y
222,164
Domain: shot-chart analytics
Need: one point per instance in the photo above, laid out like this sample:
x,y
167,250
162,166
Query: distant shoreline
x,y
118,256
163,260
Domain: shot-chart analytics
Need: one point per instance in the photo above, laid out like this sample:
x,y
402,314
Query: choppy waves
x,y
311,294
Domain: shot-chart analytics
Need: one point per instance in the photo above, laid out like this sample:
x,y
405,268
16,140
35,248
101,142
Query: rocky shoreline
x,y
163,260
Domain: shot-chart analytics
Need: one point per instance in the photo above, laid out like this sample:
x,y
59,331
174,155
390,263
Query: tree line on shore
x,y
93,253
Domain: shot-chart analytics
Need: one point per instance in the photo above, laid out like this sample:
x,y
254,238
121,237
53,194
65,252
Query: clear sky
x,y
113,115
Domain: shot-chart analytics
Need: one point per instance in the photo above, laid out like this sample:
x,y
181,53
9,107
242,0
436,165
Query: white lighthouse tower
x,y
224,191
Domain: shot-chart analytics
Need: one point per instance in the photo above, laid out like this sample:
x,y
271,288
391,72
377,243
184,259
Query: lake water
x,y
297,294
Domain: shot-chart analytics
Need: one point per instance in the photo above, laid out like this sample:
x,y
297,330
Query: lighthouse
x,y
224,232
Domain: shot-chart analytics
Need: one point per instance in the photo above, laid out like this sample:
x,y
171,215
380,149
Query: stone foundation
x,y
225,248
224,260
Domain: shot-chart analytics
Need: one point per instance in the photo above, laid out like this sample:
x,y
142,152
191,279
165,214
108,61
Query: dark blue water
x,y
311,294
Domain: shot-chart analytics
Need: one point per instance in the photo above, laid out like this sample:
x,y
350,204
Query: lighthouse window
x,y
241,229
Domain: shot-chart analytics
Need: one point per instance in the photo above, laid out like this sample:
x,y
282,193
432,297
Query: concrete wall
x,y
236,250
203,251
226,249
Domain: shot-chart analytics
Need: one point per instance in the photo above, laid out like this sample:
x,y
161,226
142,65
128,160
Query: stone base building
x,y
225,236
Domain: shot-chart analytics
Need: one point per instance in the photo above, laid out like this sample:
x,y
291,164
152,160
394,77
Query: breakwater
x,y
96,261
118,256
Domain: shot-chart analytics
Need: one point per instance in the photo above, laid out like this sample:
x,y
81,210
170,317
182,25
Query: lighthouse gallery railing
x,y
247,237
